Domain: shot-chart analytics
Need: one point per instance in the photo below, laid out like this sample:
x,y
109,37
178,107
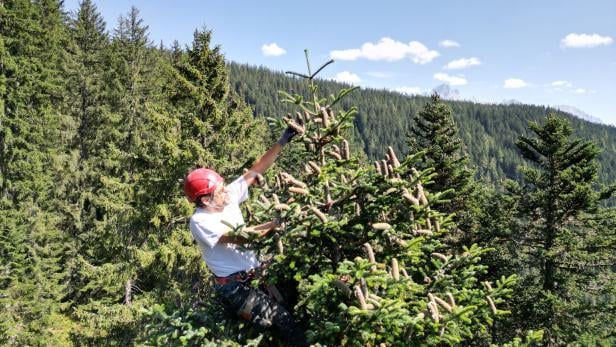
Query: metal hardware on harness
x,y
241,276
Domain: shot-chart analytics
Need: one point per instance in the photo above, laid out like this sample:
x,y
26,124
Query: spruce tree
x,y
34,134
435,132
560,231
89,42
84,91
218,129
113,116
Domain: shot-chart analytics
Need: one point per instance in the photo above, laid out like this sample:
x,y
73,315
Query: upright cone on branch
x,y
381,226
452,301
314,167
319,214
392,155
296,127
297,190
298,183
443,303
282,207
279,245
360,298
336,149
434,311
370,254
440,256
377,165
394,269
385,168
491,304
265,200
421,194
325,117
409,197
332,116
335,155
346,153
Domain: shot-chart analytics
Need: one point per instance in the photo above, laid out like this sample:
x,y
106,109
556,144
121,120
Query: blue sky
x,y
537,52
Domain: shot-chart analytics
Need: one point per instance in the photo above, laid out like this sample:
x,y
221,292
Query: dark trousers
x,y
255,306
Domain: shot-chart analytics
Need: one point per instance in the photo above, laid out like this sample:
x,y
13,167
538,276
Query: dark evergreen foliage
x,y
554,205
97,129
435,133
488,131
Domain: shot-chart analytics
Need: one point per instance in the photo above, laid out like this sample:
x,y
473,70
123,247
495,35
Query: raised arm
x,y
264,163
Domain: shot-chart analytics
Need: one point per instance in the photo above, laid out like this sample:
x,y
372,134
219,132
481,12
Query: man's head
x,y
206,188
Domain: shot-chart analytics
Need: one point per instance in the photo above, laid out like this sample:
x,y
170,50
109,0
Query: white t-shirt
x,y
206,227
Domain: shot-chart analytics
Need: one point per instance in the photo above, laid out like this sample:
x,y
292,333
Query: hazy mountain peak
x,y
578,113
446,92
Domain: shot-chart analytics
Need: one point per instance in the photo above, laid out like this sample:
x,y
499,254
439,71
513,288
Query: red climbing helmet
x,y
201,182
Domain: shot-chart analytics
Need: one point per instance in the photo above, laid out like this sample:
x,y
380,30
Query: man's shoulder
x,y
201,215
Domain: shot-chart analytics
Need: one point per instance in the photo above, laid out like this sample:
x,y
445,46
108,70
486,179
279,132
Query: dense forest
x,y
389,235
489,131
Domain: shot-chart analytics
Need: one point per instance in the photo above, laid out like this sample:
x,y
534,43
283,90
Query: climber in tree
x,y
234,267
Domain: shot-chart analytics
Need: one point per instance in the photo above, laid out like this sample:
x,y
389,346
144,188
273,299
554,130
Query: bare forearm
x,y
263,163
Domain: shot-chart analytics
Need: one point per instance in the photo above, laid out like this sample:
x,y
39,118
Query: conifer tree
x,y
435,133
112,102
556,203
34,134
89,41
213,119
86,45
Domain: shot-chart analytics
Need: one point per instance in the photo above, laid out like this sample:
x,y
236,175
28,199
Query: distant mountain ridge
x,y
489,131
578,113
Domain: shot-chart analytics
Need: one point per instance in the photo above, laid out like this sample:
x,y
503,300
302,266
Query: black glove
x,y
288,134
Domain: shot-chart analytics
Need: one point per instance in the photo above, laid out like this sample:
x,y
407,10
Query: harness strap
x,y
275,293
241,276
246,310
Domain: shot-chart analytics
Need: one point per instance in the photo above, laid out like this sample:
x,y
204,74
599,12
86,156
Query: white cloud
x,y
420,54
448,44
580,90
451,80
585,40
347,77
408,90
462,63
561,84
272,49
347,54
514,83
389,50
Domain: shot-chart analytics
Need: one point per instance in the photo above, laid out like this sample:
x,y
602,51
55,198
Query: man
x,y
233,267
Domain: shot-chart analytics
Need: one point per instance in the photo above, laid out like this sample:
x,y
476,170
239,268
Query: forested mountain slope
x,y
488,130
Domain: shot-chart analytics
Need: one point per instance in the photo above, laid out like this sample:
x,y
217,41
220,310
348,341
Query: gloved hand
x,y
286,137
